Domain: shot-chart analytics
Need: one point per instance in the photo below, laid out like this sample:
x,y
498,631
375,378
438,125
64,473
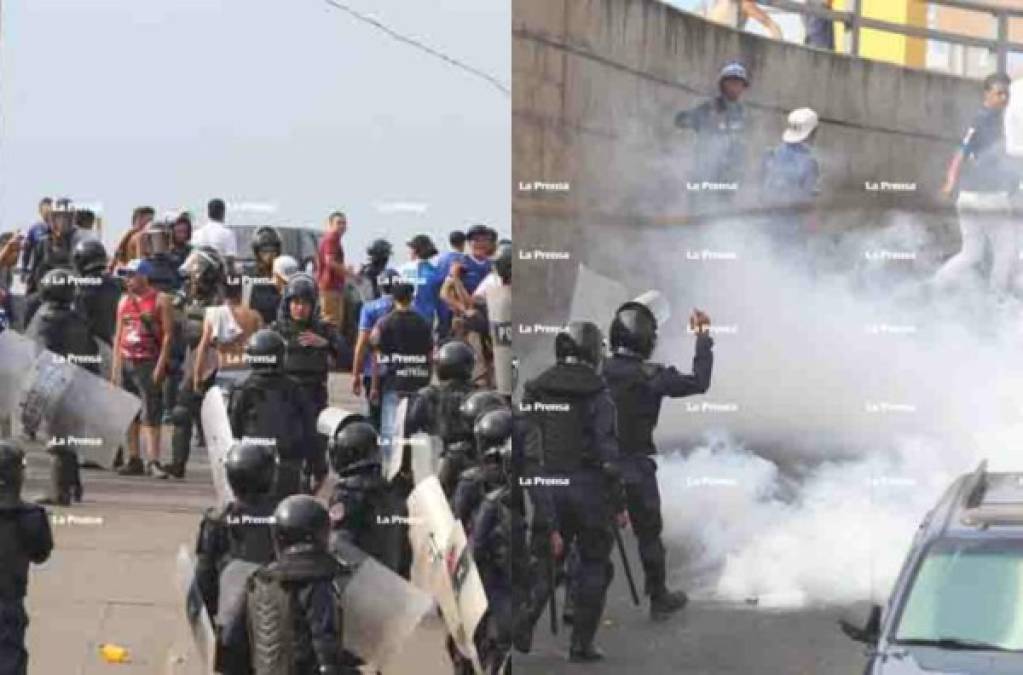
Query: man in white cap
x,y
791,173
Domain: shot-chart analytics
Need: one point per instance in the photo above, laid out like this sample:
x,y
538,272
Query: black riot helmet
x,y
250,469
266,238
503,261
56,287
634,329
379,251
265,350
493,429
455,361
581,341
301,286
12,471
89,257
387,280
298,520
480,402
356,442
206,266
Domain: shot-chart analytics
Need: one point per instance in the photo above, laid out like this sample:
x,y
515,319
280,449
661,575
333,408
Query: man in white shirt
x,y
214,233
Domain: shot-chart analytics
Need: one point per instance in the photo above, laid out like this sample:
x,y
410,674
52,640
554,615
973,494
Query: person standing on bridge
x,y
719,152
790,178
981,171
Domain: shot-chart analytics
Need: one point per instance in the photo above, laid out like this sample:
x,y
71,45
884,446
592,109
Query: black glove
x,y
615,486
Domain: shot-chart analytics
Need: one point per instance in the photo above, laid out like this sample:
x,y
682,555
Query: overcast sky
x,y
291,103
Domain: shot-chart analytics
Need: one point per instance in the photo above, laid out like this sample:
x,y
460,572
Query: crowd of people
x,y
173,309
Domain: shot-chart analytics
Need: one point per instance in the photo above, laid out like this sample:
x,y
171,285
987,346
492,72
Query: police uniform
x,y
571,405
309,367
239,531
368,506
435,410
638,388
63,331
25,538
270,405
97,304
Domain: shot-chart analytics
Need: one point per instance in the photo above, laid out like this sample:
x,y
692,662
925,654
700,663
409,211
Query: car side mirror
x,y
869,633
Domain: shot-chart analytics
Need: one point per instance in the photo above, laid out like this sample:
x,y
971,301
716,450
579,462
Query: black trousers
x,y
13,624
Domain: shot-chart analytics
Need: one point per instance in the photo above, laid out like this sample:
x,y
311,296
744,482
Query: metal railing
x,y
855,22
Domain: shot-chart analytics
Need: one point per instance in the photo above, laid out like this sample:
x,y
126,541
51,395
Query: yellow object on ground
x,y
113,653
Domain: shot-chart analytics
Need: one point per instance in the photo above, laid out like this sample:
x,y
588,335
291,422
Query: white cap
x,y
802,122
285,266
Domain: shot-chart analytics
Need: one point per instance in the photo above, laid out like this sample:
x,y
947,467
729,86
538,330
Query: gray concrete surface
x,y
111,577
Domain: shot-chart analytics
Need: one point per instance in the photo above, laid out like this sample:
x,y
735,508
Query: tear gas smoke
x,y
846,396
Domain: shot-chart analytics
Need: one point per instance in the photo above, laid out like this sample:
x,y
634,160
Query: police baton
x,y
625,563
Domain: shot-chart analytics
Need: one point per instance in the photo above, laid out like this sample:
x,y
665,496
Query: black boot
x,y
133,467
665,603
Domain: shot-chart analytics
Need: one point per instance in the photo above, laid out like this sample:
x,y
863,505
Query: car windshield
x,y
966,595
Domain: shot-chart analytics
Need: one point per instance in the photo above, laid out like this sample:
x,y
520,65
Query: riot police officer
x,y
436,409
52,250
364,505
237,531
262,294
272,406
638,387
571,405
498,540
206,273
476,481
96,299
293,615
25,538
60,329
379,252
462,455
311,347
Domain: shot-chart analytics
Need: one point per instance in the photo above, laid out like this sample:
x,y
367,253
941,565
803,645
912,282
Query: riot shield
x,y
426,452
442,565
499,303
216,426
392,439
230,617
332,420
380,609
69,402
195,611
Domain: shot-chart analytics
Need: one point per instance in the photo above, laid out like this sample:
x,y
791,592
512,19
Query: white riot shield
x,y
442,565
216,427
332,420
426,451
195,611
381,610
69,402
499,311
392,438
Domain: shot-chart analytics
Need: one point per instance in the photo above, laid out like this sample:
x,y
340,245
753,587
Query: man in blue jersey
x,y
362,363
424,277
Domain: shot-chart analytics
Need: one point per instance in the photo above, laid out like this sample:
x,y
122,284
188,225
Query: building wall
x,y
597,83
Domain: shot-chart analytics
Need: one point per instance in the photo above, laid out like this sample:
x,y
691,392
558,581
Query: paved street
x,y
111,577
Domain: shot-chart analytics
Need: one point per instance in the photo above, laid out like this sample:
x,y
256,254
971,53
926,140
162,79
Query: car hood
x,y
935,661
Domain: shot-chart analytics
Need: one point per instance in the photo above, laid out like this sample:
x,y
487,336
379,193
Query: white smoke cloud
x,y
851,396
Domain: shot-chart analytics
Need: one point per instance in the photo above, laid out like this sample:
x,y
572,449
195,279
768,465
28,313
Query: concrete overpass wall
x,y
596,86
